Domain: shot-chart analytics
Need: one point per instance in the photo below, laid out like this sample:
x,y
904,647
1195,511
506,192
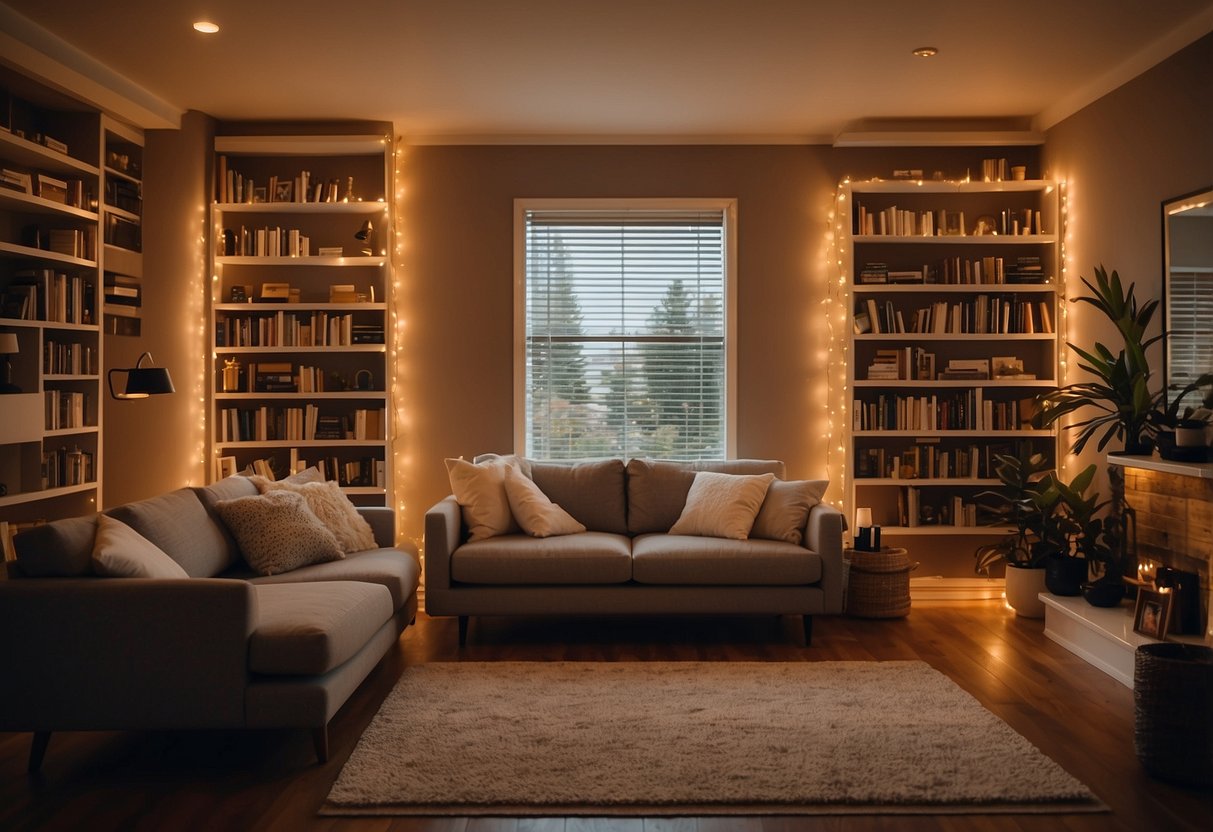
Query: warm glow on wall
x,y
400,434
837,305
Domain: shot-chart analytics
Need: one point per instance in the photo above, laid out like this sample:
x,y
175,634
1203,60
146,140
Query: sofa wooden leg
x,y
808,630
37,750
320,739
463,630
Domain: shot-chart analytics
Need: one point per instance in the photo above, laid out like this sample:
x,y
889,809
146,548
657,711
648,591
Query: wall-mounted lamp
x,y
8,346
141,381
364,237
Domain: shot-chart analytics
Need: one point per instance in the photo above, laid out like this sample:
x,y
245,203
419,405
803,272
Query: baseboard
x,y
956,589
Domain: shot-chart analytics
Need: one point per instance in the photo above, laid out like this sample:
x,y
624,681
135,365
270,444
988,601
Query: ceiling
x,y
617,70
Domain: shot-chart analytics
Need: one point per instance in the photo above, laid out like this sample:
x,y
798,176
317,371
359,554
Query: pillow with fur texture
x,y
722,505
480,492
786,508
330,505
121,552
277,532
538,516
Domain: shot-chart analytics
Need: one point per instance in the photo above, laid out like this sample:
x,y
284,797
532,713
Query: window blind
x,y
1189,310
625,334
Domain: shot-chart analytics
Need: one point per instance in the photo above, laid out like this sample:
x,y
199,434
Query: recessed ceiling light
x,y
206,27
926,51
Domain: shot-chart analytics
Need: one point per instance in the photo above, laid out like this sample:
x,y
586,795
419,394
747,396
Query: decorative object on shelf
x,y
8,346
365,380
1185,593
364,235
867,534
1152,613
275,293
141,381
1173,723
231,375
1065,575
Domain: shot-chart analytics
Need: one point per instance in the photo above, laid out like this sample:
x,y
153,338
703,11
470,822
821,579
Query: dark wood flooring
x,y
269,779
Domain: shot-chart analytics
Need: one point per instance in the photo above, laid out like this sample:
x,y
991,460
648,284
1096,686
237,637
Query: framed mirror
x,y
1188,290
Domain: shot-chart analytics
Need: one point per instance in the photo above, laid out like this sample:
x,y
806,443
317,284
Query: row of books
x,y
270,241
69,409
233,186
928,459
123,194
960,410
899,222
902,364
282,329
61,468
46,295
983,315
362,472
947,511
70,192
958,271
59,359
271,424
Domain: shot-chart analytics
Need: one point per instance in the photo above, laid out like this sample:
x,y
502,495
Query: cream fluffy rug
x,y
660,738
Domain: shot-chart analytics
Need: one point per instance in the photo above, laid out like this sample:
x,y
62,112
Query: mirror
x,y
1188,289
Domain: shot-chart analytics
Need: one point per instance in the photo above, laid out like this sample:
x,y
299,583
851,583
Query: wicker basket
x,y
878,583
1173,698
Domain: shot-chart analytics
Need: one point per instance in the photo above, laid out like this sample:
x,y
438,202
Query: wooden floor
x,y
269,780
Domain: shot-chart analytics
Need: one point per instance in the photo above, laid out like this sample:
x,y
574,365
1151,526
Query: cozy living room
x,y
503,417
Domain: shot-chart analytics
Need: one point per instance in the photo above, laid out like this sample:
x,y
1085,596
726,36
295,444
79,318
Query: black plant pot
x,y
1065,575
1103,593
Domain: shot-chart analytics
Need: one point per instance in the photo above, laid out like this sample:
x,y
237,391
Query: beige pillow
x,y
538,516
722,505
277,532
330,505
480,491
121,552
786,508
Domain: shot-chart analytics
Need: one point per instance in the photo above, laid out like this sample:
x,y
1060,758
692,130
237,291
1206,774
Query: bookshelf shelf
x,y
52,257
25,153
261,166
26,203
46,494
991,296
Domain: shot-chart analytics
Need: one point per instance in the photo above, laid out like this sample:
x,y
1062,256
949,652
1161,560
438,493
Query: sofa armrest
x,y
823,534
382,520
118,653
443,533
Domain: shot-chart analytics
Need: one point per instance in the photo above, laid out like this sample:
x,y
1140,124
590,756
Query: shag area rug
x,y
692,738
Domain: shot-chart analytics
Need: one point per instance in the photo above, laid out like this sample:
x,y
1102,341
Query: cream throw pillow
x,y
722,505
786,508
121,552
538,516
330,505
480,492
277,532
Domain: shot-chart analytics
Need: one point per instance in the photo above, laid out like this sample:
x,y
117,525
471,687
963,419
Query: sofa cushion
x,y
480,492
593,492
228,488
535,513
722,505
590,558
785,509
397,570
277,532
121,552
680,559
330,505
657,489
311,628
181,526
59,549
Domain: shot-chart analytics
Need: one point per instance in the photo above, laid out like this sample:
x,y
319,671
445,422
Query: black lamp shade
x,y
142,382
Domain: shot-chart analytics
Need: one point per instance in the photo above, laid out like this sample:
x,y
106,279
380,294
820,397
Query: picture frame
x,y
284,190
1152,613
1002,366
259,194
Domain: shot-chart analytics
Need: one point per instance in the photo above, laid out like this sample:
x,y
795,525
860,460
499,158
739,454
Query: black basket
x,y
1173,698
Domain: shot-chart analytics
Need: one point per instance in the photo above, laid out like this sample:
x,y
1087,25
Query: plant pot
x,y
1103,593
1065,575
1024,585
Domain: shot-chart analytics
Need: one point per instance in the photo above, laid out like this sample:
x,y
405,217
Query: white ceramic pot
x,y
1024,586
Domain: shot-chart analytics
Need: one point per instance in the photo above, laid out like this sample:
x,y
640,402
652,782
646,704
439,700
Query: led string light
x,y
401,459
1063,304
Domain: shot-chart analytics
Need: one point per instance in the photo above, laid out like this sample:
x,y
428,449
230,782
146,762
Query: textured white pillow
x,y
480,491
329,503
121,552
786,508
277,532
538,516
722,505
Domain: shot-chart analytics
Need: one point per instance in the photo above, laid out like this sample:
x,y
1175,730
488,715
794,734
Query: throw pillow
x,y
121,552
538,516
330,505
786,508
722,505
277,532
480,492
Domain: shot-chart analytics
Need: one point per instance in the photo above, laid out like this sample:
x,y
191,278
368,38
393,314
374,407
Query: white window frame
x,y
728,209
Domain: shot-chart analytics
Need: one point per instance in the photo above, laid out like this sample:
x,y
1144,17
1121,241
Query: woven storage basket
x,y
1173,699
878,583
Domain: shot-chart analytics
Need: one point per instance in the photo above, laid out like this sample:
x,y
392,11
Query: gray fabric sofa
x,y
223,648
626,562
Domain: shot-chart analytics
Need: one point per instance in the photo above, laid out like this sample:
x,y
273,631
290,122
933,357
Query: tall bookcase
x,y
122,228
953,290
301,370
50,276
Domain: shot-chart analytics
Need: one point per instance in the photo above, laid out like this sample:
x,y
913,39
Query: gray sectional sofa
x,y
221,648
627,562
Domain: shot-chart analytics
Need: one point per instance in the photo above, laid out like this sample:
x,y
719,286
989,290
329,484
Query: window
x,y
624,308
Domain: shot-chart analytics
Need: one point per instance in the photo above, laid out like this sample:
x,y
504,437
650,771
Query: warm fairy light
x,y
837,304
1063,306
396,370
